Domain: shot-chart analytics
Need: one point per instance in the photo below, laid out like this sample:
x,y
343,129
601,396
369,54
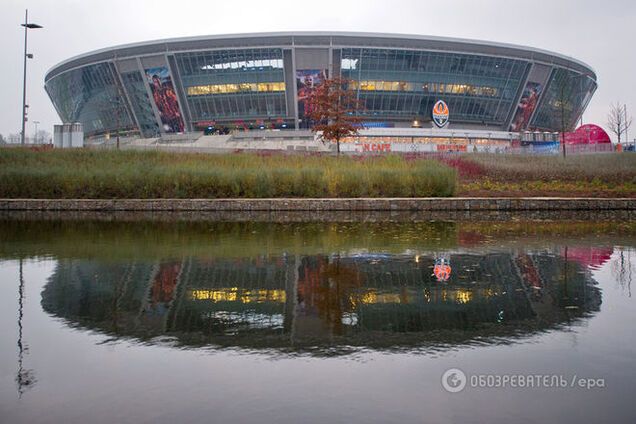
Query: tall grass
x,y
143,175
604,167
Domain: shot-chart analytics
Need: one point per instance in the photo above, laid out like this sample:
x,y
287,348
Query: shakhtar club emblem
x,y
440,113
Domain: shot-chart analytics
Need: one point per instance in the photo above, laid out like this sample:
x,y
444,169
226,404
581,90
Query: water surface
x,y
164,321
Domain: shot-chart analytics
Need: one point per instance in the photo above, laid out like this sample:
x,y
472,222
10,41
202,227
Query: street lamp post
x,y
27,26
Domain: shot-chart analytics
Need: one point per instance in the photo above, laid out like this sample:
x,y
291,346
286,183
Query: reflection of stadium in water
x,y
377,301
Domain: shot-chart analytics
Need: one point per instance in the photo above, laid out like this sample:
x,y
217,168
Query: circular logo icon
x,y
454,380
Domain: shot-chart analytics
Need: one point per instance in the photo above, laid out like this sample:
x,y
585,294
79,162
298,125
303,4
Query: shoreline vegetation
x,y
95,174
604,175
98,174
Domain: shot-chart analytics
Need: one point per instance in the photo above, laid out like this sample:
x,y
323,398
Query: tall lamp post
x,y
27,26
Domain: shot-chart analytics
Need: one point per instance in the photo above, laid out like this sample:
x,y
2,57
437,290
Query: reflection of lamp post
x,y
25,378
565,274
27,26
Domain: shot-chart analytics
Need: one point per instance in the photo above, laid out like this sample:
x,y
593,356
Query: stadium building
x,y
426,89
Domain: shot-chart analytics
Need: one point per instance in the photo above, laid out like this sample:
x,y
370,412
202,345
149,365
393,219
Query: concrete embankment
x,y
298,204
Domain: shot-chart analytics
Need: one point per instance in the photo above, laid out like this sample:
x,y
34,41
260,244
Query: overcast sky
x,y
600,33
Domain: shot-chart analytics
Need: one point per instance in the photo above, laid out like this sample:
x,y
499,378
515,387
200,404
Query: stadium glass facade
x,y
404,84
261,81
233,84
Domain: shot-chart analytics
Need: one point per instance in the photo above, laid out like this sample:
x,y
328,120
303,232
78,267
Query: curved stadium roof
x,y
324,38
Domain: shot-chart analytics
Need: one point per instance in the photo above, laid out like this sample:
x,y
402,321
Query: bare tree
x,y
2,141
43,137
13,138
617,120
563,105
117,106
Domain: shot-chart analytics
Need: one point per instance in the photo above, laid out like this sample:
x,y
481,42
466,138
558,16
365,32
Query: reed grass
x,y
603,167
142,175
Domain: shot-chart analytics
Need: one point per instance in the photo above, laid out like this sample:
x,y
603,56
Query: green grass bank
x,y
92,174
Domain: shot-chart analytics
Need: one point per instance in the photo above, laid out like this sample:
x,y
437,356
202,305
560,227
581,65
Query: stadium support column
x,y
288,67
289,62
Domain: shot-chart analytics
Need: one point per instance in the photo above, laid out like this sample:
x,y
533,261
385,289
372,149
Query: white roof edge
x,y
323,34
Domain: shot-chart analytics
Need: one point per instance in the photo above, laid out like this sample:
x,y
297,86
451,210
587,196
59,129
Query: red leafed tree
x,y
334,110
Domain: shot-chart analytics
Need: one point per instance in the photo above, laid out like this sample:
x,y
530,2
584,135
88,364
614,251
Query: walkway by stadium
x,y
367,144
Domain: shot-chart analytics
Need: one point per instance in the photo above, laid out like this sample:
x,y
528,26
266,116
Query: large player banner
x,y
306,82
527,105
165,99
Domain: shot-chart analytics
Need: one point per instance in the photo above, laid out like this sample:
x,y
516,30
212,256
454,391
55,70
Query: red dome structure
x,y
587,134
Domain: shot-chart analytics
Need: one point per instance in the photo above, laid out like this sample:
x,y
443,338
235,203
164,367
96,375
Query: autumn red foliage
x,y
334,110
466,168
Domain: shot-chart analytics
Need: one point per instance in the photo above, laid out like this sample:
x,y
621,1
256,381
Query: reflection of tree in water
x,y
622,269
371,300
324,287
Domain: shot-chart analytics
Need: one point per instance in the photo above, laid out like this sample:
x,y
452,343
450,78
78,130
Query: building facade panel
x,y
135,85
233,84
564,101
91,95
